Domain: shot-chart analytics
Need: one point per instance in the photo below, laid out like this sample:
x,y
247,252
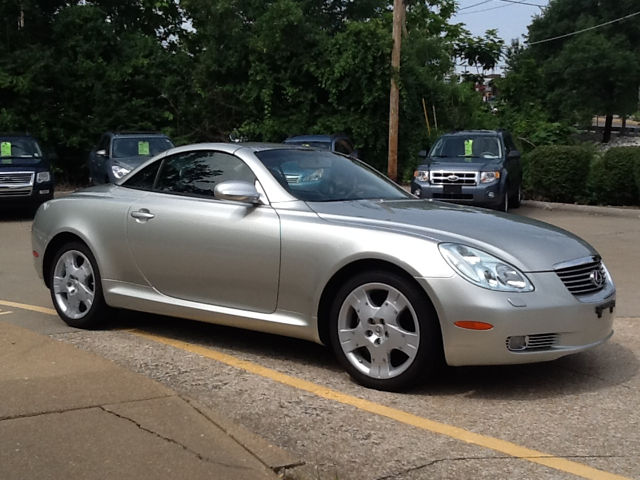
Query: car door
x,y
189,245
513,165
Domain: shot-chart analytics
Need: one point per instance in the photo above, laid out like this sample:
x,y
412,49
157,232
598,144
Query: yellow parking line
x,y
33,308
457,433
495,444
6,313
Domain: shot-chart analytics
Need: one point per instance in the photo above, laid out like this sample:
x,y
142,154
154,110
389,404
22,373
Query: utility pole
x,y
394,97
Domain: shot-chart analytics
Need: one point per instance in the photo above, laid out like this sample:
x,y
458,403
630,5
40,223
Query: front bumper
x,y
26,196
483,195
552,319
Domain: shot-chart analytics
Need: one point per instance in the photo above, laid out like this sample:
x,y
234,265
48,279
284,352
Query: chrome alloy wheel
x,y
74,284
378,330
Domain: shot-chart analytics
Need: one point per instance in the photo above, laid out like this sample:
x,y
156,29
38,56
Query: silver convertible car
x,y
335,254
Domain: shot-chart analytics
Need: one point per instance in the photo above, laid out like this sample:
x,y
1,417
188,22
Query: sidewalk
x,y
66,414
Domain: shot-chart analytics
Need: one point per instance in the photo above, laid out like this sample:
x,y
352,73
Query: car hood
x,y
528,244
131,162
19,163
478,165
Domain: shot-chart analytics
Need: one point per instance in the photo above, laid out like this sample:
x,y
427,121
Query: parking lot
x,y
572,418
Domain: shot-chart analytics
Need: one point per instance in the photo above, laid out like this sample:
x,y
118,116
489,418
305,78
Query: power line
x,y
487,9
524,3
583,30
475,5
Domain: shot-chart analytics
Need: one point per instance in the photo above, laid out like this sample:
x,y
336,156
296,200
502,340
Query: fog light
x,y
417,192
517,343
44,192
491,195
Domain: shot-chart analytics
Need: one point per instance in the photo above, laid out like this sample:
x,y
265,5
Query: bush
x,y
615,178
556,173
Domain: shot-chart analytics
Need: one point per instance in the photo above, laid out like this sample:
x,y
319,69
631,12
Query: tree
x,y
590,73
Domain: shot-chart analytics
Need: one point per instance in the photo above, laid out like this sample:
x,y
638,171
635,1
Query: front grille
x,y
18,179
453,196
583,276
541,341
443,177
16,184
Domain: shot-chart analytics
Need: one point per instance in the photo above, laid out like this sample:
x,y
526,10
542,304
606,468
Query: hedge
x,y
581,175
557,173
615,178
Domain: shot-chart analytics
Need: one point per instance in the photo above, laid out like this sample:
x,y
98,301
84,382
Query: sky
x,y
510,19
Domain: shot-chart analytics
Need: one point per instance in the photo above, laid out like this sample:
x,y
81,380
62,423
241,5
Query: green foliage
x,y
265,69
556,173
573,78
614,178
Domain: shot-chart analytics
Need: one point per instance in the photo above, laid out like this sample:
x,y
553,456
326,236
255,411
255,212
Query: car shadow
x,y
602,367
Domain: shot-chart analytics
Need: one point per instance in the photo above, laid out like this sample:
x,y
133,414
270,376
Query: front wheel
x,y
517,199
75,287
385,332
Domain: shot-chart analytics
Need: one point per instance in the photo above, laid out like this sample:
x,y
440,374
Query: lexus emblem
x,y
597,278
453,178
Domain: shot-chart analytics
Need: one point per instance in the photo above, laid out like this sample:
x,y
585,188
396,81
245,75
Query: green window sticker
x,y
5,149
468,148
143,148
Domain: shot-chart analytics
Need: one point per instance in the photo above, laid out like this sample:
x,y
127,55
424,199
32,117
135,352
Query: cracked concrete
x,y
66,414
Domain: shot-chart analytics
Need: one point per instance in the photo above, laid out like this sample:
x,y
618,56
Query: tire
x,y
385,331
76,288
503,206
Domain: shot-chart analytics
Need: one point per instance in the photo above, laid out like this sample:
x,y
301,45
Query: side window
x,y
102,143
343,147
198,173
145,178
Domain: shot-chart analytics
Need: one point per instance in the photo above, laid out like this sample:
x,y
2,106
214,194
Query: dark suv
x,y
335,143
473,167
26,179
116,154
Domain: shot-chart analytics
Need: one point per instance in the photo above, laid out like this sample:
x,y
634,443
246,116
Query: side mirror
x,y
422,154
101,153
514,154
237,191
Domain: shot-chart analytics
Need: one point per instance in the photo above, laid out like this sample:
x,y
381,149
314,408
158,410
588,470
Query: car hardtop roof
x,y
315,138
261,147
487,133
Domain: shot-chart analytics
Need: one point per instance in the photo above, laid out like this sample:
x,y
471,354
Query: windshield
x,y
469,148
15,147
320,176
140,146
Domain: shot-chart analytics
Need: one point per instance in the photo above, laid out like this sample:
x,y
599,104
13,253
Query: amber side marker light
x,y
470,325
36,254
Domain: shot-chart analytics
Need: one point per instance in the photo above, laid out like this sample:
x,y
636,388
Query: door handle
x,y
142,214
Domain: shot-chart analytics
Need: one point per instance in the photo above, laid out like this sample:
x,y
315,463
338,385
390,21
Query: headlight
x,y
42,177
488,177
314,177
421,175
483,269
119,171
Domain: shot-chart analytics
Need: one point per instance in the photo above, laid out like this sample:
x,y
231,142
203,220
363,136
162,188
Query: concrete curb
x,y
588,209
275,458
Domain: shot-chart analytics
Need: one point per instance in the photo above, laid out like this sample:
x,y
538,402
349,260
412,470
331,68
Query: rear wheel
x,y
385,332
75,287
